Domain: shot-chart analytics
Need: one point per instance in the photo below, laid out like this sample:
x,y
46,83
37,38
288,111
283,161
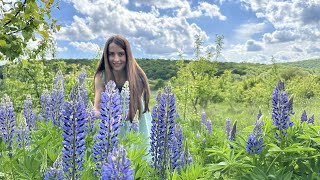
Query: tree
x,y
23,22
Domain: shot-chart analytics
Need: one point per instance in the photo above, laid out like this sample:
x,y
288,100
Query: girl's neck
x,y
120,77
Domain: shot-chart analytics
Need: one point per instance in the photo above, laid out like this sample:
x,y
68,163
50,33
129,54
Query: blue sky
x,y
253,30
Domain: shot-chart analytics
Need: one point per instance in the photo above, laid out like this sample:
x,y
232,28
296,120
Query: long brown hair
x,y
138,81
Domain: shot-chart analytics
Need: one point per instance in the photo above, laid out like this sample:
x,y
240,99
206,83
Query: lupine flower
x,y
255,139
7,122
233,131
91,117
57,99
311,119
118,166
28,113
186,158
232,134
125,100
23,135
281,110
74,132
209,126
55,172
110,115
163,141
203,117
304,117
228,127
134,126
82,86
45,106
198,135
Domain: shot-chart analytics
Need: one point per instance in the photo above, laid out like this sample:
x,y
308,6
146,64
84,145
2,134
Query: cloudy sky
x,y
253,30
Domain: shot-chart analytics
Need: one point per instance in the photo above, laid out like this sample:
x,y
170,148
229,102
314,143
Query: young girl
x,y
118,64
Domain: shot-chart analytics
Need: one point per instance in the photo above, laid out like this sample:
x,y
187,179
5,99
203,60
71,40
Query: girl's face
x,y
117,57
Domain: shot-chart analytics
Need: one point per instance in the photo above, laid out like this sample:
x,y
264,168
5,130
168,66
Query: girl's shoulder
x,y
100,78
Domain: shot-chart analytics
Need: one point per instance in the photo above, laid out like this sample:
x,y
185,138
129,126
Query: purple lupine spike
x,y
28,113
118,166
311,119
74,132
228,127
82,76
203,117
209,126
186,158
163,142
55,172
82,86
107,137
125,100
91,117
281,110
7,122
45,103
254,144
134,126
259,114
23,135
233,131
304,117
57,99
255,139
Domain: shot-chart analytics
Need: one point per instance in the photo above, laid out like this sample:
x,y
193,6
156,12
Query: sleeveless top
x,y
143,123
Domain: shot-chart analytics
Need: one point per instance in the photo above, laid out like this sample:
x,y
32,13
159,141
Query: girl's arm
x,y
99,88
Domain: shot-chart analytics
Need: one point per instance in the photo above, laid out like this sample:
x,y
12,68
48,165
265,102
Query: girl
x,y
118,64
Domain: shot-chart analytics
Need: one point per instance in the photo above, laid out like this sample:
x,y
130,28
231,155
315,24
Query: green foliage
x,y
23,22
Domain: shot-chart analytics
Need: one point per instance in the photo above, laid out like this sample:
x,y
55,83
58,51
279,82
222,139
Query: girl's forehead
x,y
113,46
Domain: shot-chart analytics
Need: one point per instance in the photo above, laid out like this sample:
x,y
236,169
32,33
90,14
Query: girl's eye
x,y
121,54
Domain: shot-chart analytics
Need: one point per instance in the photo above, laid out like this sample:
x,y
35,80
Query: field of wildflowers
x,y
63,140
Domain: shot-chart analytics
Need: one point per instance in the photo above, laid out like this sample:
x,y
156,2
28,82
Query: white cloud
x,y
280,36
86,46
211,10
163,4
252,45
245,31
149,32
62,49
203,9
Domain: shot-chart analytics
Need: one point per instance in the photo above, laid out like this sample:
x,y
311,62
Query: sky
x,y
253,30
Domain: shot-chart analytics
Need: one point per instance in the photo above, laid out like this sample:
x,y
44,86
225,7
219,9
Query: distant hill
x,y
312,64
165,69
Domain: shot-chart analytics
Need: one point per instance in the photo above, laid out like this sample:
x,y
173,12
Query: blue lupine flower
x,y
203,117
304,117
110,115
82,86
7,122
311,119
281,110
57,99
125,100
164,144
185,158
134,126
228,127
118,166
55,172
23,135
74,132
28,113
232,134
45,106
255,139
209,126
254,144
91,117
